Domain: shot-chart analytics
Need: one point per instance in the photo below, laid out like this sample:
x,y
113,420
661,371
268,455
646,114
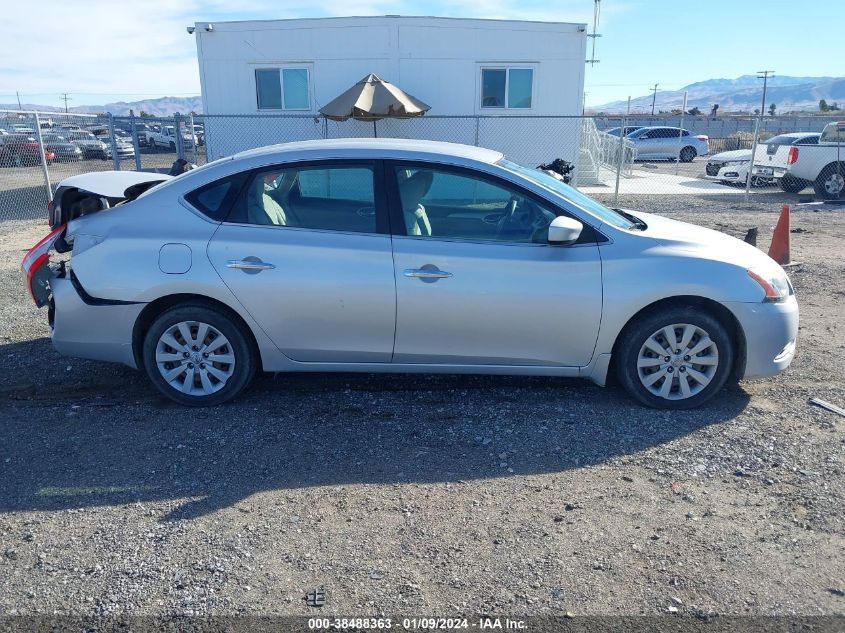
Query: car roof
x,y
386,147
799,134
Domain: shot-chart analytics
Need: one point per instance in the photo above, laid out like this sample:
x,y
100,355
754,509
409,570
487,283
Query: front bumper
x,y
727,173
770,331
88,330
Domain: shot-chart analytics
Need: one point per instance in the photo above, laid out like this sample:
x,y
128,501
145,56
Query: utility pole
x,y
18,94
65,98
764,75
596,14
653,98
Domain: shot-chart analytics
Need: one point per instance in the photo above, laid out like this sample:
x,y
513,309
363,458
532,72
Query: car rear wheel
x,y
198,356
677,358
830,184
791,184
687,154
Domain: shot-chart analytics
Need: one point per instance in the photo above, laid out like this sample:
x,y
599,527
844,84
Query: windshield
x,y
569,193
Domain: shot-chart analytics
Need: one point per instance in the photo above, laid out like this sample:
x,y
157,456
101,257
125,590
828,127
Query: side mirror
x,y
564,230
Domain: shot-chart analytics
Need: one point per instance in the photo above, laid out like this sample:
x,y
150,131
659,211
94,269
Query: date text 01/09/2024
x,y
417,623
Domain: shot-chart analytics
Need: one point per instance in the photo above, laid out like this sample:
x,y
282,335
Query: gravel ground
x,y
427,495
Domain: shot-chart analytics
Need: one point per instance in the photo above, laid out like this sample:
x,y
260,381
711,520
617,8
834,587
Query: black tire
x,y
687,154
172,146
151,144
634,337
245,359
830,184
791,184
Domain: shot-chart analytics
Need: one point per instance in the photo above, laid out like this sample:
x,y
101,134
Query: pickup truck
x,y
166,138
795,167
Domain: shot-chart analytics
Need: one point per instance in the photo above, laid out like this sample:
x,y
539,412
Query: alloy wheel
x,y
195,358
677,361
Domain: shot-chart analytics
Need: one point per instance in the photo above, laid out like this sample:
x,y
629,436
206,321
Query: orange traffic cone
x,y
779,249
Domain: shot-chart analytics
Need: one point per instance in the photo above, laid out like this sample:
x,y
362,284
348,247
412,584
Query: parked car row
x,y
60,144
73,143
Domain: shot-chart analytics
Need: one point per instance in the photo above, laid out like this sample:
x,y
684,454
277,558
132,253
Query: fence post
x,y
193,136
135,144
43,159
750,175
115,159
681,135
180,146
477,121
619,160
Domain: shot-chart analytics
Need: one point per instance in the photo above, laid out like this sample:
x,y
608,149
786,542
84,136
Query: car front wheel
x,y
677,358
198,356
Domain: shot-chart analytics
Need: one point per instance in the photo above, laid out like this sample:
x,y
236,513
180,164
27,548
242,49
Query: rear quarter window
x,y
215,199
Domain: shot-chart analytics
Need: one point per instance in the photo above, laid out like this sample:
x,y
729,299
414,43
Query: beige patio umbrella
x,y
372,99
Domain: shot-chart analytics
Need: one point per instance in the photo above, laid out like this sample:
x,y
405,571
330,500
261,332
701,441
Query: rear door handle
x,y
426,273
249,264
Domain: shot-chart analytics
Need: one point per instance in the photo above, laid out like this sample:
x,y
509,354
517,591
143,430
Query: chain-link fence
x,y
612,157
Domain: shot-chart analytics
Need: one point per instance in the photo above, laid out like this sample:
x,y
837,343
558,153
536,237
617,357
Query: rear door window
x,y
329,197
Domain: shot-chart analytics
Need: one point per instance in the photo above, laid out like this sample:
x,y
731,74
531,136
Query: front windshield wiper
x,y
639,224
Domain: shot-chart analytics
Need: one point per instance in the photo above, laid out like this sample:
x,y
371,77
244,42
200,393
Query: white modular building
x,y
485,80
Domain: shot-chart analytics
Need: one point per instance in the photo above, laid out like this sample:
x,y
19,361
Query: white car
x,y
731,168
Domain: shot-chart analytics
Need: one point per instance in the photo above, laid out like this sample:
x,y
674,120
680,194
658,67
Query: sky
x,y
102,51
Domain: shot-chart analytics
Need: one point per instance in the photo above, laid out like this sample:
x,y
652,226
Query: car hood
x,y
705,243
111,184
735,154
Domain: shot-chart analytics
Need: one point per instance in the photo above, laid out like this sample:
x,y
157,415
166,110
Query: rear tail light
x,y
792,156
37,256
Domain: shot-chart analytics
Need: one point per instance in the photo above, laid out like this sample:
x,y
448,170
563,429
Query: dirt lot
x,y
427,495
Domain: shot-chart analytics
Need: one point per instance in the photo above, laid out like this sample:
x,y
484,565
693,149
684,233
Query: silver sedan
x,y
399,256
668,143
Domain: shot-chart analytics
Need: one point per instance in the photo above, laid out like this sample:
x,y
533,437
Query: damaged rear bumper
x,y
85,327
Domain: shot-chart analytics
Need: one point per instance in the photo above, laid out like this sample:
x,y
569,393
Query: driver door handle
x,y
426,273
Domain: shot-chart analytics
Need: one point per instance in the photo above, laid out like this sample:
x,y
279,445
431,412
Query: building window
x,y
282,89
510,88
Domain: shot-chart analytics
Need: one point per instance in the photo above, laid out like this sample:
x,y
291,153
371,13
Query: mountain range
x,y
743,94
163,106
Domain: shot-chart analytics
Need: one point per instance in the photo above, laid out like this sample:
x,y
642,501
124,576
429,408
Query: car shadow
x,y
99,434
